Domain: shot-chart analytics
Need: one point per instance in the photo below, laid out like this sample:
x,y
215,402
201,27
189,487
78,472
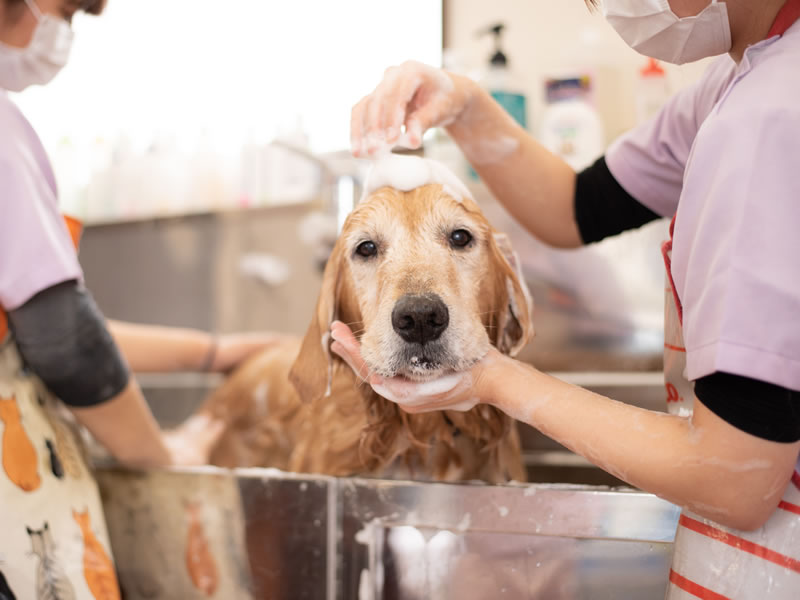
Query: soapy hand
x,y
455,391
191,443
413,95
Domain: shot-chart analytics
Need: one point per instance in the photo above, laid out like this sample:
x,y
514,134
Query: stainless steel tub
x,y
261,533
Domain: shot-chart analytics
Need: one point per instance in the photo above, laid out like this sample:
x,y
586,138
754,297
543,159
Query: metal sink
x,y
261,533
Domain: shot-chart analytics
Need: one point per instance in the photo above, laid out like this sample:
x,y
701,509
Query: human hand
x,y
413,95
455,391
233,349
191,443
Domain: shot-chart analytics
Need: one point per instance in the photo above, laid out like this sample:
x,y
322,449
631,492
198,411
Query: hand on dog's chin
x,y
437,389
425,392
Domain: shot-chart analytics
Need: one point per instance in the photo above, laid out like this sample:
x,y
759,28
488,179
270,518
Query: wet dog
x,y
426,285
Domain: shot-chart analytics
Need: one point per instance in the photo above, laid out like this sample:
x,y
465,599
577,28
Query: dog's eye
x,y
367,249
460,238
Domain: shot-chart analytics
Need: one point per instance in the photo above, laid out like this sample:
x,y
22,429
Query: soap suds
x,y
490,151
406,173
326,340
364,588
260,398
416,394
465,522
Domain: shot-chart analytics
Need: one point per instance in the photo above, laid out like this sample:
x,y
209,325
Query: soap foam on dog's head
x,y
406,173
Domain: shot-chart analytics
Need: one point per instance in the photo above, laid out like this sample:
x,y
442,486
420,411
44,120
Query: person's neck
x,y
750,23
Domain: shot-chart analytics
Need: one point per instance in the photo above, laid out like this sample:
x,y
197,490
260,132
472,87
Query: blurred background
x,y
205,145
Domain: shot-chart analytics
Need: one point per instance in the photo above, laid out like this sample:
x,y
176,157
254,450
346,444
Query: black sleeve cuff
x,y
762,409
603,208
62,337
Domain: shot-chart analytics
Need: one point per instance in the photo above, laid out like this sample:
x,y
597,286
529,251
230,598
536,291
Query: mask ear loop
x,y
34,9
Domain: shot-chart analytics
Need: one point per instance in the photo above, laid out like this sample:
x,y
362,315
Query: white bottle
x,y
571,127
652,90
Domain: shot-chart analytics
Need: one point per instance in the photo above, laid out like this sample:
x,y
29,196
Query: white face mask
x,y
42,59
651,28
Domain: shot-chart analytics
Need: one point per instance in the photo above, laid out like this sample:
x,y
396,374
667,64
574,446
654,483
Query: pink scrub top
x,y
36,251
724,157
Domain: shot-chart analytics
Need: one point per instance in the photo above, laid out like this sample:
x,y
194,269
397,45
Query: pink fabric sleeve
x,y
736,253
35,245
649,161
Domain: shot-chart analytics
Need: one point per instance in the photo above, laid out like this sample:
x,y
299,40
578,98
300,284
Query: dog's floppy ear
x,y
312,371
512,302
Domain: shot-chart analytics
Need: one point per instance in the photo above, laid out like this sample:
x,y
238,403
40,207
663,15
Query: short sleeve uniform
x,y
36,251
724,157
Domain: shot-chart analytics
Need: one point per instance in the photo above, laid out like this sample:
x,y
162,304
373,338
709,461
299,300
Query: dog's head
x,y
424,282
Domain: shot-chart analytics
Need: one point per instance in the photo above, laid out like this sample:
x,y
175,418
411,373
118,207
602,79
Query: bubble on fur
x,y
406,173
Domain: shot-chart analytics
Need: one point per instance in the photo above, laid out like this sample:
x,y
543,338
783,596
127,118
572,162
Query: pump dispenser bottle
x,y
500,82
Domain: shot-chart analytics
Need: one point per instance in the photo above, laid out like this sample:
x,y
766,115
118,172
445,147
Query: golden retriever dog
x,y
425,284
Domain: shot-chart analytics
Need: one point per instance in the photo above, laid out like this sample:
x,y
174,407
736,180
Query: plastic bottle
x,y
571,127
500,82
652,90
286,176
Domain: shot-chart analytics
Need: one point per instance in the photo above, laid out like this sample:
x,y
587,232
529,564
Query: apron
x,y
710,561
53,538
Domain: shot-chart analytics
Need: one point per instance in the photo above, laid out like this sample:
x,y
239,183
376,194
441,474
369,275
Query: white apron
x,y
711,561
53,539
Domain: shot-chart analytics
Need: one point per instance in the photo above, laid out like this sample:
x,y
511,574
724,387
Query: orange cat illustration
x,y
199,560
19,455
98,570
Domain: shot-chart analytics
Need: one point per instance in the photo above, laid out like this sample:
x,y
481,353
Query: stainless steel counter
x,y
260,533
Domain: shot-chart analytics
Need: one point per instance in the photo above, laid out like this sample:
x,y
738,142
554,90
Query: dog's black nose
x,y
420,319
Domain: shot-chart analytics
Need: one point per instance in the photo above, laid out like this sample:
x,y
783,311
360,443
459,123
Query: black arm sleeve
x,y
62,337
762,409
603,208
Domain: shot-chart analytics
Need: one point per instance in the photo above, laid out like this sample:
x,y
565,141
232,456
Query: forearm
x,y
701,463
125,426
150,348
536,186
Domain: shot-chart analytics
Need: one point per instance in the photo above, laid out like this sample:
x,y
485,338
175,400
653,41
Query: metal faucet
x,y
341,181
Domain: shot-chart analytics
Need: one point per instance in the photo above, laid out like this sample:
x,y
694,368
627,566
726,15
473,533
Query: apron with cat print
x,y
54,543
711,561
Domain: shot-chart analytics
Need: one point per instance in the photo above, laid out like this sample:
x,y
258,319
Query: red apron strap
x,y
786,17
666,252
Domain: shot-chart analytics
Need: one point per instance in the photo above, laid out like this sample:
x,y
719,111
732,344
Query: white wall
x,y
152,68
549,37
166,106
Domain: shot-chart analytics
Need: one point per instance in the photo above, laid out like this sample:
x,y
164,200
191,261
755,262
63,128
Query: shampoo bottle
x,y
571,127
500,82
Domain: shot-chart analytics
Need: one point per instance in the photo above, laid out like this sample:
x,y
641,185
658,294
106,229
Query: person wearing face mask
x,y
60,360
720,159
